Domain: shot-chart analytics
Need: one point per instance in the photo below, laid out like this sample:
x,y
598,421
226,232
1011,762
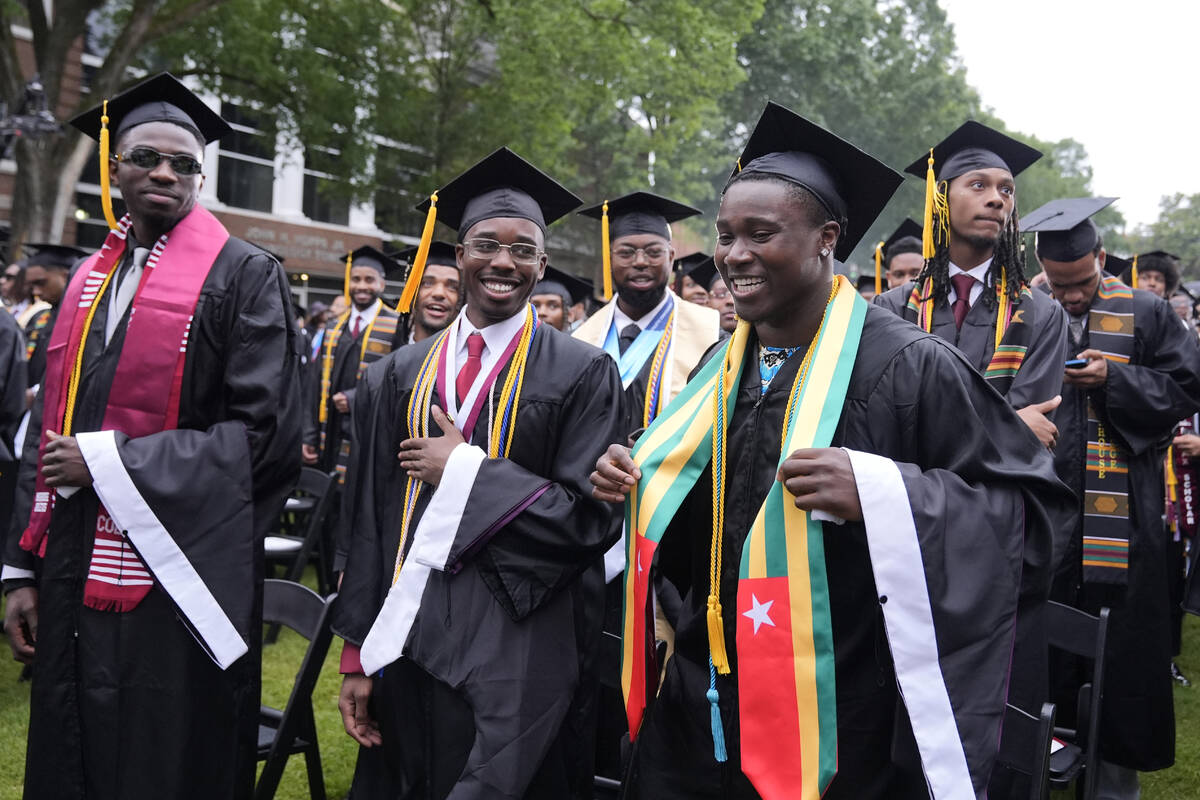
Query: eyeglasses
x,y
488,249
146,158
655,253
719,294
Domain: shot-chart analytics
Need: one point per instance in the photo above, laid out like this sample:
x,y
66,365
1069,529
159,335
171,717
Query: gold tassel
x,y
606,254
1133,274
879,268
927,247
346,281
716,636
418,266
105,192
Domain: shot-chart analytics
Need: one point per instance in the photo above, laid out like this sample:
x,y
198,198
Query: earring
x,y
824,252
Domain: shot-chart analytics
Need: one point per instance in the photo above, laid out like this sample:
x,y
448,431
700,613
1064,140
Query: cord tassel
x,y
716,636
1133,274
418,265
927,247
105,190
346,280
718,727
606,254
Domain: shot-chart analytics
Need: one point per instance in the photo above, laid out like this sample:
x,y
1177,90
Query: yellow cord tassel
x,y
1133,274
927,247
879,268
105,192
346,281
716,636
606,254
418,266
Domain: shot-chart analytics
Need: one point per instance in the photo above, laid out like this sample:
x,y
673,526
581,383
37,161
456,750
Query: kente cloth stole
x,y
376,343
654,342
1106,475
786,682
1013,333
146,386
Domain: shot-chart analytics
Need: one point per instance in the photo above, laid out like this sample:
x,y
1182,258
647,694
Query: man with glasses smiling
x,y
167,438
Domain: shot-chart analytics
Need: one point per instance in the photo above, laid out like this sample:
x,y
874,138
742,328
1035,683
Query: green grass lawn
x,y
281,660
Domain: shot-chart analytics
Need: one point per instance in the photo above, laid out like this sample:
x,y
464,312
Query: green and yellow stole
x,y
786,684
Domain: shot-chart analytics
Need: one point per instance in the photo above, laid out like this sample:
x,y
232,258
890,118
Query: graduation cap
x,y
368,256
705,272
1121,267
632,214
1065,231
159,99
570,288
971,146
852,185
440,254
905,239
866,281
501,185
686,264
61,256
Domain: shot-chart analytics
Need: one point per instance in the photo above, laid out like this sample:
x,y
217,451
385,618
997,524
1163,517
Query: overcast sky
x,y
1118,77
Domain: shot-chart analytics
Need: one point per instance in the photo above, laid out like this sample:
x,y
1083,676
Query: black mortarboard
x,y
502,185
62,256
1065,231
440,253
905,239
570,288
640,212
852,185
974,145
865,281
705,272
159,99
1120,267
1160,254
1158,261
367,256
685,264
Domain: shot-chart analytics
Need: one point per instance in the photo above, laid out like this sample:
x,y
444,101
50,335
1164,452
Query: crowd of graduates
x,y
824,519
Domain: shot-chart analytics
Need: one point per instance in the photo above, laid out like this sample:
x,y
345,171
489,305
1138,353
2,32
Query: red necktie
x,y
356,327
963,284
470,368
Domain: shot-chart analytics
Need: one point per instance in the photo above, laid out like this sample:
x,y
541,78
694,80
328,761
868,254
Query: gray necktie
x,y
127,281
628,336
1076,325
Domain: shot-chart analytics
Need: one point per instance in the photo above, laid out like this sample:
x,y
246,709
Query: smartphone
x,y
1076,363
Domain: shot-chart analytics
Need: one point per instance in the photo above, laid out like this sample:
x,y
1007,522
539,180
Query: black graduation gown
x,y
970,491
12,407
1141,402
37,361
502,653
130,704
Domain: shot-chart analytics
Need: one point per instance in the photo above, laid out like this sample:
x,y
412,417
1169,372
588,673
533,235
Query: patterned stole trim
x,y
1014,335
376,343
1106,469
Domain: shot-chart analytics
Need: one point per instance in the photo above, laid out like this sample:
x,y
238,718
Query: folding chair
x,y
294,730
1079,633
1025,746
315,488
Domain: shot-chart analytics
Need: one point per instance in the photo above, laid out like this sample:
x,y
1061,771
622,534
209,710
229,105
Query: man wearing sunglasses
x,y
167,437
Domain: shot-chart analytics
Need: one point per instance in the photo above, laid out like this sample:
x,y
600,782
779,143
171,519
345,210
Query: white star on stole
x,y
759,613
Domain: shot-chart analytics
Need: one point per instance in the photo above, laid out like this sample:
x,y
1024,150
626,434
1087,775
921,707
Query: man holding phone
x,y
1135,374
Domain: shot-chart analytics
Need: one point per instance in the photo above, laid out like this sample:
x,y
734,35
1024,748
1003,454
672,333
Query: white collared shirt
x,y
495,339
366,316
621,319
979,273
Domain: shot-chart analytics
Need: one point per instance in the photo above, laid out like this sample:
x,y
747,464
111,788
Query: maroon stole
x,y
146,386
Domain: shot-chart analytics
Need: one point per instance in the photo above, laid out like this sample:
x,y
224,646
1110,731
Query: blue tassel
x,y
718,729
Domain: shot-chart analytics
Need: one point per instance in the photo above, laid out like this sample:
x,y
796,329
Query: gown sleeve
x,y
1144,401
1041,375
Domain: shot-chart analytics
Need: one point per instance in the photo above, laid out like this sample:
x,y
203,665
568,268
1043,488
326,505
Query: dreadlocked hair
x,y
1008,253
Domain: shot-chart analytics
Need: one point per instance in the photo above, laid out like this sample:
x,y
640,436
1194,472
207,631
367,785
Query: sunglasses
x,y
146,158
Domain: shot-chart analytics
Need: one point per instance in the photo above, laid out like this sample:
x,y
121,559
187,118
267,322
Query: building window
x,y
90,226
321,200
401,175
246,167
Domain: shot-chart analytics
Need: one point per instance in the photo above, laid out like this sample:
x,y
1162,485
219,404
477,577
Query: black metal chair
x,y
293,730
1079,633
1025,746
313,495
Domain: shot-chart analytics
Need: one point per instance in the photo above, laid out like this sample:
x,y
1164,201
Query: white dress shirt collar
x,y
979,273
366,316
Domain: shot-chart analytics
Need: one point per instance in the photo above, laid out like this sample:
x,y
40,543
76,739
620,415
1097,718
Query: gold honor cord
x,y
77,367
879,267
346,281
606,253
